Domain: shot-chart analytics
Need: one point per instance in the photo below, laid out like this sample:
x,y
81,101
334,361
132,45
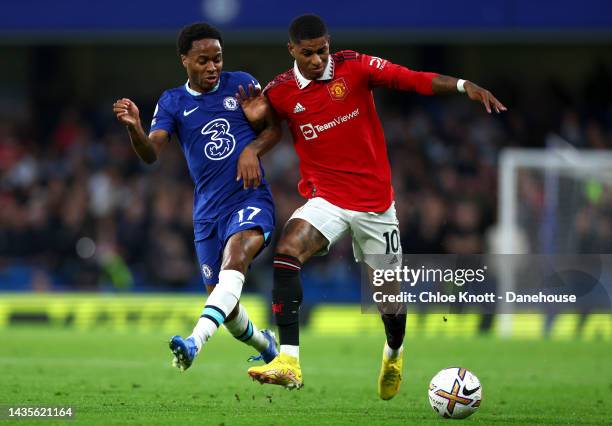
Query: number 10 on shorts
x,y
392,240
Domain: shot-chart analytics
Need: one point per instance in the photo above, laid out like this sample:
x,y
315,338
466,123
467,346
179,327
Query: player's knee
x,y
236,259
240,250
301,240
288,247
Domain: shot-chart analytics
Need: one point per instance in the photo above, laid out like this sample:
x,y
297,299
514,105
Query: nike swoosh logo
x,y
468,392
186,113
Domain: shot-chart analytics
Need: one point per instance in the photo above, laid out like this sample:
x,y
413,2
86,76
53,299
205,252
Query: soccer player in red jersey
x,y
327,102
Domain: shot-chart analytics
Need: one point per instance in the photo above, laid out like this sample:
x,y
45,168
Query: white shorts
x,y
372,233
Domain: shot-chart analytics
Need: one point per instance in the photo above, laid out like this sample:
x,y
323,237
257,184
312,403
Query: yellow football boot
x,y
390,377
284,370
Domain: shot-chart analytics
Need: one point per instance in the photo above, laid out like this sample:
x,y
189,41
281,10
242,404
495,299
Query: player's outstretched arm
x,y
149,147
248,163
384,73
443,84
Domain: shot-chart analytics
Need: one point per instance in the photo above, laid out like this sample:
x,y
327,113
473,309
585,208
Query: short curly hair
x,y
307,27
193,32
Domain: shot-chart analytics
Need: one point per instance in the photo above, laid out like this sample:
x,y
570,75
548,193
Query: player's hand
x,y
477,93
126,112
248,168
253,103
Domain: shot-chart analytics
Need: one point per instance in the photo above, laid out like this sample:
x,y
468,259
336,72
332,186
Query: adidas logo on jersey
x,y
298,108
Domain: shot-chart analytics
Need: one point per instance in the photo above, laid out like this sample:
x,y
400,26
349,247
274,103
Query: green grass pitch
x,y
122,378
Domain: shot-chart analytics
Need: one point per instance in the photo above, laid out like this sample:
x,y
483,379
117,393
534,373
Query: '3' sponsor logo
x,y
222,142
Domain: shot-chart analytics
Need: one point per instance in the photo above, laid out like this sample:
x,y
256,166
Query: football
x,y
455,393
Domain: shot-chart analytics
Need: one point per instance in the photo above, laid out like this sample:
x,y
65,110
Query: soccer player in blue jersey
x,y
232,224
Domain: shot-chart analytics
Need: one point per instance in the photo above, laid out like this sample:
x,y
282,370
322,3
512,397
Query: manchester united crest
x,y
338,89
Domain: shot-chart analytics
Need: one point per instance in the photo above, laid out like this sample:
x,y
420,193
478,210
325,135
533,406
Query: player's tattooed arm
x,y
149,147
248,168
443,84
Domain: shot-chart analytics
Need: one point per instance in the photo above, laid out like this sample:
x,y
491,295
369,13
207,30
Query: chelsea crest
x,y
230,103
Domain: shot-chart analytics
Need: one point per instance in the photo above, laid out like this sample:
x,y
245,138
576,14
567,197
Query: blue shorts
x,y
211,237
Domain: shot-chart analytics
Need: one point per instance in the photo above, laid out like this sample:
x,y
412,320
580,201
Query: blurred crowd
x,y
79,211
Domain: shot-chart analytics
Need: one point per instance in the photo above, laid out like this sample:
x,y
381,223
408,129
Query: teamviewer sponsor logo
x,y
337,121
308,131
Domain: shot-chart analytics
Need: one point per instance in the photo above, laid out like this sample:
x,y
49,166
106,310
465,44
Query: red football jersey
x,y
336,131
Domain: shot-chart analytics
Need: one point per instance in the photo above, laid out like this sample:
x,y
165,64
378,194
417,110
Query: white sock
x,y
291,350
244,330
219,304
393,353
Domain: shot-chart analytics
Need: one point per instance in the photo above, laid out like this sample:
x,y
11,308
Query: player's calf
x,y
243,329
286,301
219,304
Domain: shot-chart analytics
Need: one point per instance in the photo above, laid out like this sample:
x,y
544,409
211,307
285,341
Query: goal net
x,y
551,202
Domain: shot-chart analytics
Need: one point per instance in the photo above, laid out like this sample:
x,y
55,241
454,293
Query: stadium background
x,y
91,238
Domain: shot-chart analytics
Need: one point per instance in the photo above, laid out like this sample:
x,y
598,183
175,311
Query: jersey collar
x,y
196,93
303,82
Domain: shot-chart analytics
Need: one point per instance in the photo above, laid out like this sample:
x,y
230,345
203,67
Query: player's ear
x,y
291,49
184,60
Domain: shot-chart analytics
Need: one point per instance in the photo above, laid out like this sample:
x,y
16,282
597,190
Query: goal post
x,y
544,197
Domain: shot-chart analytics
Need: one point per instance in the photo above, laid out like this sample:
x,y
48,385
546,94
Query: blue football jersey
x,y
213,131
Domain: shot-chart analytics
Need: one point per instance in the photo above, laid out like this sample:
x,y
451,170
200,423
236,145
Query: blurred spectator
x,y
75,209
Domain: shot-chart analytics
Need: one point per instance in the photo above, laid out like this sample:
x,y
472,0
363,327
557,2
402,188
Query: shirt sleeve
x,y
274,101
381,72
249,79
163,119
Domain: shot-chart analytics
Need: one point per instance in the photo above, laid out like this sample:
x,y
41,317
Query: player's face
x,y
203,63
311,56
